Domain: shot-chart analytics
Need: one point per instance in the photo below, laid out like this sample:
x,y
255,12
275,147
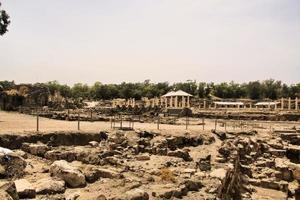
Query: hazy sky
x,y
162,40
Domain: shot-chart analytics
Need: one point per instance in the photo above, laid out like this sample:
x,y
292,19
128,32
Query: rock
x,y
204,163
142,157
146,134
284,172
282,185
8,191
218,173
295,168
136,194
175,142
5,151
106,173
293,153
21,153
221,135
277,152
71,175
25,189
193,185
181,154
101,197
294,188
109,153
103,135
94,144
49,186
5,196
73,196
13,164
38,149
93,174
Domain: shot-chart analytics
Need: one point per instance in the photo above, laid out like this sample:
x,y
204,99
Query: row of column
x,y
174,102
129,102
289,103
282,103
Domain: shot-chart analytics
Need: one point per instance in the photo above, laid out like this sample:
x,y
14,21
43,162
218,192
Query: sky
x,y
112,41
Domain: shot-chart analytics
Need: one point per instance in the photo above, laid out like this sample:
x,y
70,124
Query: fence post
x,y
203,123
186,122
158,121
37,120
78,125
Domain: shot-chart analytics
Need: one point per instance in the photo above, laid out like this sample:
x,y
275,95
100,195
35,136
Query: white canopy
x,y
228,103
177,93
266,103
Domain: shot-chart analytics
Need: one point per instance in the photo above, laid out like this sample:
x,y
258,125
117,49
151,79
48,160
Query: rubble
x,y
25,189
12,165
8,190
149,165
71,175
49,186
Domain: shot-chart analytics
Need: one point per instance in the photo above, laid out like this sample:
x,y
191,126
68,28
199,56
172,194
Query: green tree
x,y
254,90
201,90
80,90
4,21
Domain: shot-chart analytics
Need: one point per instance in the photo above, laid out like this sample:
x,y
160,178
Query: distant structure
x,y
177,99
223,104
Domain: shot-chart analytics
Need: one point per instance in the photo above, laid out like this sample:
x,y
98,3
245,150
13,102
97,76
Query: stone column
x,y
166,102
282,104
133,102
250,105
183,102
289,105
269,105
171,101
188,101
296,103
176,101
275,105
204,104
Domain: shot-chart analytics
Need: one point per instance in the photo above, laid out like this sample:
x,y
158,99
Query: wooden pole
x,y
37,120
203,123
78,124
158,121
186,122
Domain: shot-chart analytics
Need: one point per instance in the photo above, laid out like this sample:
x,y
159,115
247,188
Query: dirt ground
x,y
13,122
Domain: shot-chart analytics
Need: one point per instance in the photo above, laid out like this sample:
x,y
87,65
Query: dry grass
x,y
167,175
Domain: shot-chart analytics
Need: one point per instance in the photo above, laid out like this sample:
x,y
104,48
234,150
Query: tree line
x,y
267,89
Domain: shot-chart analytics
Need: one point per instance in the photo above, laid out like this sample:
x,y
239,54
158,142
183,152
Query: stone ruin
x,y
142,164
